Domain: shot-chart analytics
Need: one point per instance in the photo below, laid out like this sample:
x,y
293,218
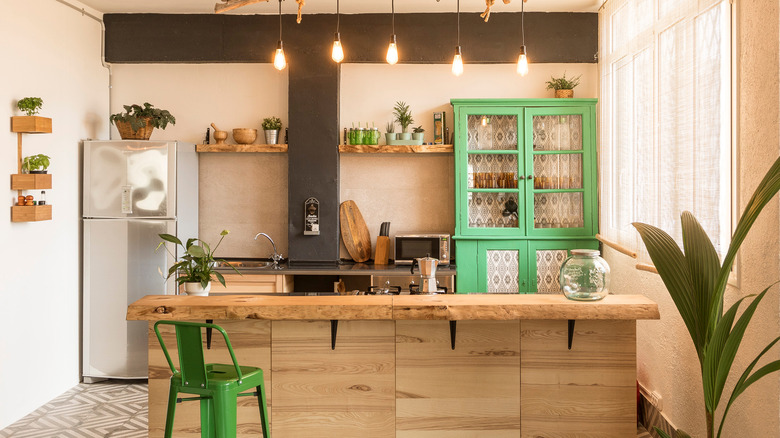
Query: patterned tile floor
x,y
112,409
115,409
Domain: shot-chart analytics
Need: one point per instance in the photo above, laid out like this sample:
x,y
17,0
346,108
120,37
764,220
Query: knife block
x,y
382,255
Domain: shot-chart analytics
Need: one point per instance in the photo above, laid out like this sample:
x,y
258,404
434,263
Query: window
x,y
665,110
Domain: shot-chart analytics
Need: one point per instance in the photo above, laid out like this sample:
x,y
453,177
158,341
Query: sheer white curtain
x,y
665,105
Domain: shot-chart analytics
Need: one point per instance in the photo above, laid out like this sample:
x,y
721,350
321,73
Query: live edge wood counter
x,y
394,373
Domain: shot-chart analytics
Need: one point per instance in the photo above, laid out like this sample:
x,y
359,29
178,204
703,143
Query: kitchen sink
x,y
245,264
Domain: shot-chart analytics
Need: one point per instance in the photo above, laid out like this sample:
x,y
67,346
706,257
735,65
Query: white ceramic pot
x,y
197,289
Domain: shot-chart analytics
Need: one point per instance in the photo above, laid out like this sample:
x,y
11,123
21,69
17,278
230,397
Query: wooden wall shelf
x,y
31,181
31,125
263,148
31,213
396,149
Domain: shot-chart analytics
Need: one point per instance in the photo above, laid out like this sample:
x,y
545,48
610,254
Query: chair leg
x,y
263,410
225,410
172,394
207,423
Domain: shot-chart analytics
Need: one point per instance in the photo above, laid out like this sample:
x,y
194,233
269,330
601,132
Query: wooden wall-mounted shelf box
x,y
31,124
31,181
31,213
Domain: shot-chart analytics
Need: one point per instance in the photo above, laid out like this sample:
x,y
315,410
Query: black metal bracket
x,y
453,330
334,328
208,334
571,332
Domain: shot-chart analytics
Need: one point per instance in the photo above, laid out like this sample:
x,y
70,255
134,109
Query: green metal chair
x,y
217,386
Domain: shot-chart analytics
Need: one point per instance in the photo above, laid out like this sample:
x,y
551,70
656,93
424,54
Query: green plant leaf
x,y
196,251
732,345
220,278
681,434
170,238
713,356
661,433
765,191
673,270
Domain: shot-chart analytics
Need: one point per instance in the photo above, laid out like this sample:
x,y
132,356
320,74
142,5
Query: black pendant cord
x,y
280,20
458,22
392,8
522,20
338,16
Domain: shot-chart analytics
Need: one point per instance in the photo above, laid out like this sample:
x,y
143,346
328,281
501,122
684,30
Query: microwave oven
x,y
413,246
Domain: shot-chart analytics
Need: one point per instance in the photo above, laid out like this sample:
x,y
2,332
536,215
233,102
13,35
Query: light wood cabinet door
x,y
249,284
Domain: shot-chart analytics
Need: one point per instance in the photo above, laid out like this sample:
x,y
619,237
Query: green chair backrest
x,y
191,359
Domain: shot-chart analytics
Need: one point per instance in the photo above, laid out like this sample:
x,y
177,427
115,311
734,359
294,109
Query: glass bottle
x,y
42,200
585,276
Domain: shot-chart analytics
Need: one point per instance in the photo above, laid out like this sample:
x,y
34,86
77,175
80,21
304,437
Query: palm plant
x,y
696,282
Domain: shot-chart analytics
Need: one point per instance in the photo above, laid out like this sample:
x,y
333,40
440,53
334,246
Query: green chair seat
x,y
217,386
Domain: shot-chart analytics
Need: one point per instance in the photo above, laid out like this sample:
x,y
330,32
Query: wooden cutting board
x,y
354,232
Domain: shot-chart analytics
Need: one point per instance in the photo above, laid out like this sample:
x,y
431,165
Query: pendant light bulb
x,y
522,63
457,63
338,52
279,61
392,51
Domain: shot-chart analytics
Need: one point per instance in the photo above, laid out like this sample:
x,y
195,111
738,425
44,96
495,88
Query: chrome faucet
x,y
276,257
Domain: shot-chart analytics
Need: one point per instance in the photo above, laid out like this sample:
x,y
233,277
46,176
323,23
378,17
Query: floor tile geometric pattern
x,y
111,409
115,409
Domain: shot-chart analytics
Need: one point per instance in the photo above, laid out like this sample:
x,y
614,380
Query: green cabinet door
x,y
560,184
545,258
503,266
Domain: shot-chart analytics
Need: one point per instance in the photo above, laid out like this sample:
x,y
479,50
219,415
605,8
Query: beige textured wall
x,y
415,193
244,193
53,52
667,362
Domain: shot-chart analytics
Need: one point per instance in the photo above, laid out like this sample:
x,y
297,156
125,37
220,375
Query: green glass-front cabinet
x,y
525,191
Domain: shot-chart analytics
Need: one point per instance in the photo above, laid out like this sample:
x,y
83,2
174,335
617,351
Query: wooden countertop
x,y
404,307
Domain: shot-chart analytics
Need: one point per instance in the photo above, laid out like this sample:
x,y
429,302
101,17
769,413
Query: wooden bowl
x,y
244,135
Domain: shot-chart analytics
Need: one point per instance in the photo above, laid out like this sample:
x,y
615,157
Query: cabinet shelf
x,y
30,181
396,149
224,147
30,213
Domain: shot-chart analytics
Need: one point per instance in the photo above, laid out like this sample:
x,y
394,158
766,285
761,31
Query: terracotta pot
x,y
564,93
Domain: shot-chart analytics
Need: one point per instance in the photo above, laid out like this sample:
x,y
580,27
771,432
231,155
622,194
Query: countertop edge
x,y
399,308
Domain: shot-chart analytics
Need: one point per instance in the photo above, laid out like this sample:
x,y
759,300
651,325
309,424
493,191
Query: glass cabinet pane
x,y
548,268
492,171
558,210
492,132
492,210
558,171
503,271
557,133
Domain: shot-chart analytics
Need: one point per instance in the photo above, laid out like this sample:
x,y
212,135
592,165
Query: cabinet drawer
x,y
248,284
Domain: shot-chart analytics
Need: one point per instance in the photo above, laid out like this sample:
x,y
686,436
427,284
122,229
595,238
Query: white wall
x,y
416,193
244,193
39,296
666,360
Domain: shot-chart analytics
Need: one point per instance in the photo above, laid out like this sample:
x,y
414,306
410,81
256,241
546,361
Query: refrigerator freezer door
x,y
120,266
129,178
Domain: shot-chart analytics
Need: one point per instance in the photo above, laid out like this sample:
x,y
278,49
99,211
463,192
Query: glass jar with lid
x,y
585,275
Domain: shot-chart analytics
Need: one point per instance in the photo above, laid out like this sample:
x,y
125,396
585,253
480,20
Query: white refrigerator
x,y
133,190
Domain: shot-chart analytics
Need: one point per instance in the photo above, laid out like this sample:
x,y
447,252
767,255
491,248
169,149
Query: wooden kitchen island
x,y
417,366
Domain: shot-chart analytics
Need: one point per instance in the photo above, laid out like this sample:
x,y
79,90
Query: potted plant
x,y
404,118
271,127
197,267
390,132
696,281
137,122
563,87
35,163
418,133
30,105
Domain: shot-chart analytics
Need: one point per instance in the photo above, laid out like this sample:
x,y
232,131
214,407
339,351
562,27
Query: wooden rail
x,y
616,246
